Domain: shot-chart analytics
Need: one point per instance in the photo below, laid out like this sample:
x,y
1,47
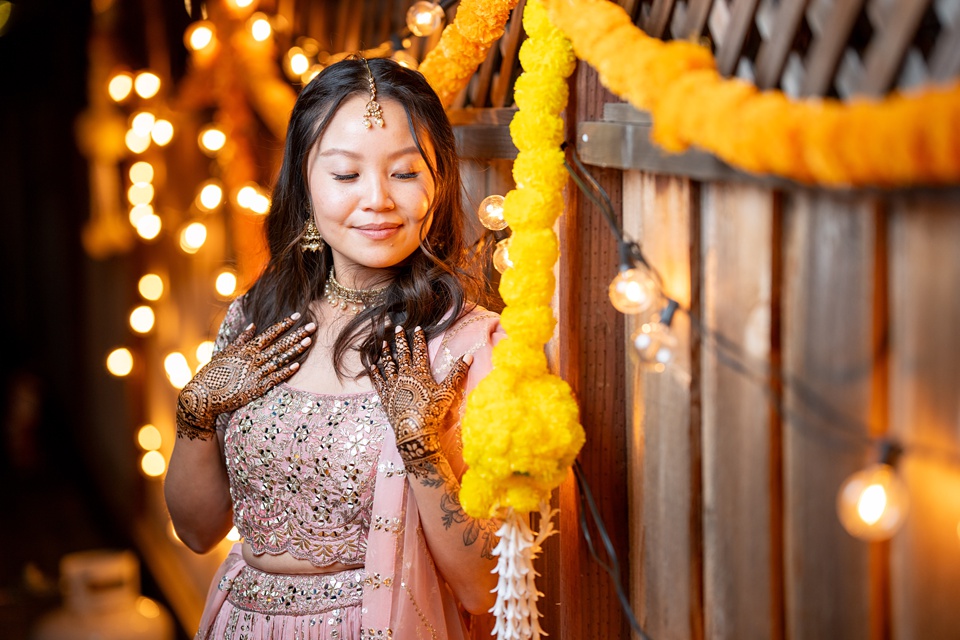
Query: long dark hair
x,y
433,286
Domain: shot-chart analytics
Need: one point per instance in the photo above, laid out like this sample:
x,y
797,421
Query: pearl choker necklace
x,y
353,300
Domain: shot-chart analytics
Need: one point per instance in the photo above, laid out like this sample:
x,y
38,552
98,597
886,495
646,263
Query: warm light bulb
x,y
872,503
260,204
210,196
140,193
212,139
151,286
199,35
312,73
501,256
141,173
135,142
239,4
423,18
204,352
148,437
137,212
120,86
120,362
233,535
142,319
146,84
654,345
226,283
152,464
405,59
148,608
193,236
490,213
148,226
177,369
260,27
633,291
162,132
299,63
142,122
246,196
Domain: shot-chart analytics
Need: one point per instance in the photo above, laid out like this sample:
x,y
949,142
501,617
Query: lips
x,y
379,231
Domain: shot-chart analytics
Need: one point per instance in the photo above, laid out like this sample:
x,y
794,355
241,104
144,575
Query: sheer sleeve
x,y
476,333
233,324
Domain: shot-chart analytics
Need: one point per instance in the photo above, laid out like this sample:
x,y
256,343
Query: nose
x,y
377,194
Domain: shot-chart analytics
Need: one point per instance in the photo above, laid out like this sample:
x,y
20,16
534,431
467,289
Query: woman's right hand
x,y
245,369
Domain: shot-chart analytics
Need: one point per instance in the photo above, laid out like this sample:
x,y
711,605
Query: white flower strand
x,y
516,608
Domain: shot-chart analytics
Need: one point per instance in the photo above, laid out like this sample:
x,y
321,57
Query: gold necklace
x,y
353,300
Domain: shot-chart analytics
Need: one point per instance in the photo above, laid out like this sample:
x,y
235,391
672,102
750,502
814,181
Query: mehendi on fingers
x,y
416,404
244,370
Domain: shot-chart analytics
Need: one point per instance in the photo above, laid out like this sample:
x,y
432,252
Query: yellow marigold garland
x,y
521,431
464,44
899,140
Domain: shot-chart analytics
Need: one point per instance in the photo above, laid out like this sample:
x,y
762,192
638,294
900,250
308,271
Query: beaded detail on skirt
x,y
297,594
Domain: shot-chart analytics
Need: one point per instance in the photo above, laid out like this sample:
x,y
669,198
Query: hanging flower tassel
x,y
516,609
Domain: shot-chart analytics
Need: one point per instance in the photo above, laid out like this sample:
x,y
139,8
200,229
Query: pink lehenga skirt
x,y
255,605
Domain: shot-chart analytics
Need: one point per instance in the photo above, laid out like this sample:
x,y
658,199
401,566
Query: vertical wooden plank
x,y
665,445
742,553
925,414
828,355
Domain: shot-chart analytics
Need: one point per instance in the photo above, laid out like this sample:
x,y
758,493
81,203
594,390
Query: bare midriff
x,y
286,563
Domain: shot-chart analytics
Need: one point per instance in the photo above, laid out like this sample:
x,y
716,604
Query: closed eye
x,y
345,176
406,176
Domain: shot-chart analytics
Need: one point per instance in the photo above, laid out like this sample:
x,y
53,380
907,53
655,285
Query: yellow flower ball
x,y
527,359
541,169
530,208
534,249
537,91
521,286
531,324
536,130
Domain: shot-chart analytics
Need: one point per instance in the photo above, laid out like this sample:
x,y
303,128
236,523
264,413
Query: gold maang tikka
x,y
373,112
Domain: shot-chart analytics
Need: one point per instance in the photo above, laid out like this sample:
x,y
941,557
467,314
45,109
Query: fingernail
x,y
384,344
295,316
468,359
305,342
398,329
249,326
417,328
295,366
311,326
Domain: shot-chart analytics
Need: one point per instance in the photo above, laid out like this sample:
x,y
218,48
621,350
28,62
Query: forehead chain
x,y
373,112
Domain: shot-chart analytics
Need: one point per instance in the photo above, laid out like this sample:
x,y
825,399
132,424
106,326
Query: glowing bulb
x,y
311,74
226,283
150,286
141,173
204,352
260,204
120,362
147,607
120,86
405,59
246,195
210,196
177,369
212,139
162,132
654,345
490,213
138,212
633,291
233,535
148,437
142,123
423,18
142,319
146,84
260,27
299,63
153,464
501,256
872,503
199,35
239,4
148,226
193,236
135,142
140,193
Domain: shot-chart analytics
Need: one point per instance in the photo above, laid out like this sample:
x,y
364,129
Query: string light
x,y
297,63
211,139
162,132
240,4
633,291
137,212
405,59
226,283
501,256
177,370
423,18
872,503
142,319
146,84
140,193
120,86
142,122
150,286
200,36
148,226
141,173
654,343
210,196
192,237
136,142
260,27
204,353
120,362
311,74
149,438
153,464
490,213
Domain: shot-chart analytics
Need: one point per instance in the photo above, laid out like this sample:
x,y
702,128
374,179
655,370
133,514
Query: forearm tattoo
x,y
484,531
244,370
416,404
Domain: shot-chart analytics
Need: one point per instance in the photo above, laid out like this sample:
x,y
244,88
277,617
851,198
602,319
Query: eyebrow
x,y
352,154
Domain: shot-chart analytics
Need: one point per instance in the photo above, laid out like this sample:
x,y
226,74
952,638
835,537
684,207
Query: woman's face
x,y
370,189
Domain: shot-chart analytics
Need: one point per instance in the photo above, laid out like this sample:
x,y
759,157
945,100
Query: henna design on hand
x,y
245,369
416,404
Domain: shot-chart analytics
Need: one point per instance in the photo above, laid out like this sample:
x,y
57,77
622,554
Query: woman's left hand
x,y
414,402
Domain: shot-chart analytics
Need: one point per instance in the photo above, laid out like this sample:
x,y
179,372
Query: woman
x,y
336,456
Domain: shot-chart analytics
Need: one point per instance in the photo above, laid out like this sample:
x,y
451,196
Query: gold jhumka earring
x,y
311,240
